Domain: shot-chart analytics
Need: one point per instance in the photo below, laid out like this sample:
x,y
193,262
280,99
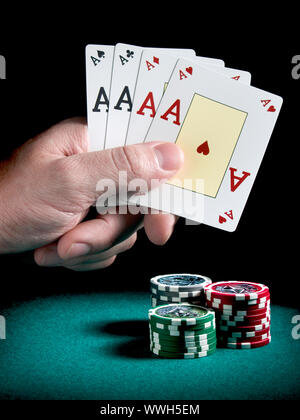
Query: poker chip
x,y
156,302
181,314
209,323
247,334
165,328
182,344
243,313
241,328
182,350
236,291
242,340
182,330
176,299
178,288
191,294
180,282
247,318
170,355
239,305
244,318
248,345
211,335
236,315
263,321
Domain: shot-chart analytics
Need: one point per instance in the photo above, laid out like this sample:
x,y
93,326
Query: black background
x,y
44,49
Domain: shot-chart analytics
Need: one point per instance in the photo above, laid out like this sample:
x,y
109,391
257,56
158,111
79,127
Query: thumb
x,y
146,161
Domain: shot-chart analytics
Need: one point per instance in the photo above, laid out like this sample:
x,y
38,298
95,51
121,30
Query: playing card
x,y
235,74
223,127
124,74
155,71
99,61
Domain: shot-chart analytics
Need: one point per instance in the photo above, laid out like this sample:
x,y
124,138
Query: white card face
x,y
99,62
124,75
154,74
209,61
223,128
235,74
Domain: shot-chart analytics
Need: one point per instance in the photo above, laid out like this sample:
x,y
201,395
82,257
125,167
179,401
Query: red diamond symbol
x,y
156,60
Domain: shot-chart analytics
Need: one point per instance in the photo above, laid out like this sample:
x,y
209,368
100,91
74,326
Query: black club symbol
x,y
130,54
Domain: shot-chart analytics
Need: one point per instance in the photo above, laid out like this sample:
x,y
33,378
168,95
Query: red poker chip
x,y
242,306
242,328
236,290
237,318
244,313
229,300
244,323
224,339
244,334
247,345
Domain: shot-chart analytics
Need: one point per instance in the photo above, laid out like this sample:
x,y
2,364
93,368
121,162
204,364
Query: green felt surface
x,y
95,346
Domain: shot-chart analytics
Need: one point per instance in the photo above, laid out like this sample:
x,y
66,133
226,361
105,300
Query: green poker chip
x,y
182,314
183,347
182,334
168,327
181,342
182,339
170,355
182,350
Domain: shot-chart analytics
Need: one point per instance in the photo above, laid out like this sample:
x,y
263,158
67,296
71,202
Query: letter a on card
x,y
233,185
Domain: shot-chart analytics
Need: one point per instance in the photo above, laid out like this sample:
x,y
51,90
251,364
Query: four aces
x,y
219,120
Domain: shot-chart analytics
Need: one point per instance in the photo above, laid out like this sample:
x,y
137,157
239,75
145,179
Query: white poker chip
x,y
180,282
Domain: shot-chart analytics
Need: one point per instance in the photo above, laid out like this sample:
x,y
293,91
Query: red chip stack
x,y
243,313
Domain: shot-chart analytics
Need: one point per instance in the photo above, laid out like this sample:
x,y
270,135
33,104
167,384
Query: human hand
x,y
49,185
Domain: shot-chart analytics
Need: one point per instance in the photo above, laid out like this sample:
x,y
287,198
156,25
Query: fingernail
x,y
169,156
78,250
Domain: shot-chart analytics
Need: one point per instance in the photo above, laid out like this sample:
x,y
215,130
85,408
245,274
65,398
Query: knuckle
x,y
76,131
129,159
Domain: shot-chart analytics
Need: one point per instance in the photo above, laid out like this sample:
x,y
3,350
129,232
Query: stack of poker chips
x,y
243,314
182,331
178,288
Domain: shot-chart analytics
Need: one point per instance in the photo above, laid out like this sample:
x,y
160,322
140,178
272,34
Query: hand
x,y
49,185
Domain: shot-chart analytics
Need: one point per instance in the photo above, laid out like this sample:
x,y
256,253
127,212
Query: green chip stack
x,y
182,331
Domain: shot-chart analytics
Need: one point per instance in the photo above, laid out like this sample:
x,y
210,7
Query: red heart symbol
x,y
189,70
222,219
203,148
272,109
